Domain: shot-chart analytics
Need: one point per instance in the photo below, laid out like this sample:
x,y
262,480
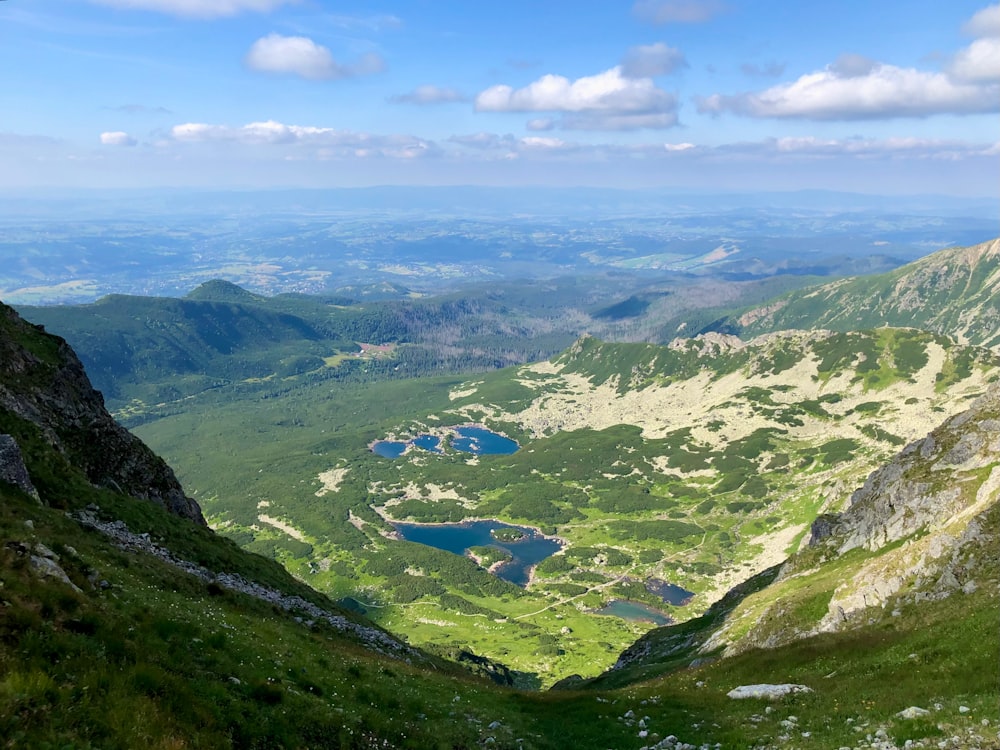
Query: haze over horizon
x,y
893,98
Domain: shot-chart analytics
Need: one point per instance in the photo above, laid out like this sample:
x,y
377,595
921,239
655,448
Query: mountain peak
x,y
220,290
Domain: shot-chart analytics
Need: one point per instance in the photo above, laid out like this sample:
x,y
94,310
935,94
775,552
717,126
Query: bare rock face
x,y
43,382
935,498
950,475
12,468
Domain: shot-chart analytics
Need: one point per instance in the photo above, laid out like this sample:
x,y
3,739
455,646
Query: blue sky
x,y
898,96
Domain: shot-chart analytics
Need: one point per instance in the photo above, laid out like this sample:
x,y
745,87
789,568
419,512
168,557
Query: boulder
x,y
767,692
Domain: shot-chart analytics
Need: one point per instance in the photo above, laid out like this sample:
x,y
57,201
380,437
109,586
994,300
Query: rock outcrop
x,y
936,501
12,468
43,382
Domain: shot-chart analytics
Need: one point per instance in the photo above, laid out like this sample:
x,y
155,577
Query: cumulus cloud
x,y
979,62
677,11
199,8
429,95
606,101
648,60
855,87
985,23
843,92
301,56
330,142
117,138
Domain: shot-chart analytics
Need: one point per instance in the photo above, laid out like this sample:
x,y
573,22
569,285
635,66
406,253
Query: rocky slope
x,y
955,292
44,391
923,528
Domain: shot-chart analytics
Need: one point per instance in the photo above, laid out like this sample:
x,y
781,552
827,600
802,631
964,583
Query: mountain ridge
x,y
954,291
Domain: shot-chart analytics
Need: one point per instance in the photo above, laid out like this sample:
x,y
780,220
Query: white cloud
x,y
301,56
646,61
855,87
979,62
884,91
199,8
677,11
117,138
429,95
985,23
606,101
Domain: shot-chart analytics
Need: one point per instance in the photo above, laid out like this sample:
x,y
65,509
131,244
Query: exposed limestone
x,y
331,480
288,529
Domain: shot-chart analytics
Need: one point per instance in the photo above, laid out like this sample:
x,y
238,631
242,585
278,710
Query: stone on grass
x,y
912,712
766,691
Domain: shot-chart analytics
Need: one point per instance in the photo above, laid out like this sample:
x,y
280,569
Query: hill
x,y
954,291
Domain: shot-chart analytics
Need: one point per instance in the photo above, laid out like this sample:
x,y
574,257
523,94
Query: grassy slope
x,y
151,660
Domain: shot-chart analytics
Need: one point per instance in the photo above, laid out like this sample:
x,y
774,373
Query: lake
x,y
634,611
468,439
669,592
482,442
528,551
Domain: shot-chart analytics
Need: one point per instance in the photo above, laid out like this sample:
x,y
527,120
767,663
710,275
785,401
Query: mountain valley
x,y
841,485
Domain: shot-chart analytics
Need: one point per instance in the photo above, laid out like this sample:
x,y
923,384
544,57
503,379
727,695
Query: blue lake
x,y
669,592
430,443
458,537
476,440
483,442
389,448
634,611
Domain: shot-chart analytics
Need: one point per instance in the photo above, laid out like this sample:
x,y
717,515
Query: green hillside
x,y
955,292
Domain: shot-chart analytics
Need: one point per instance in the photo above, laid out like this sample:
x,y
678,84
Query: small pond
x,y
529,550
468,439
628,610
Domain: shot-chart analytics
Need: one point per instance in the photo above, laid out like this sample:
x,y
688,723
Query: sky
x,y
888,97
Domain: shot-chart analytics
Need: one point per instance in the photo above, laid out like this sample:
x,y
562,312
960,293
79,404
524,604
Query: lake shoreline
x,y
440,433
381,511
